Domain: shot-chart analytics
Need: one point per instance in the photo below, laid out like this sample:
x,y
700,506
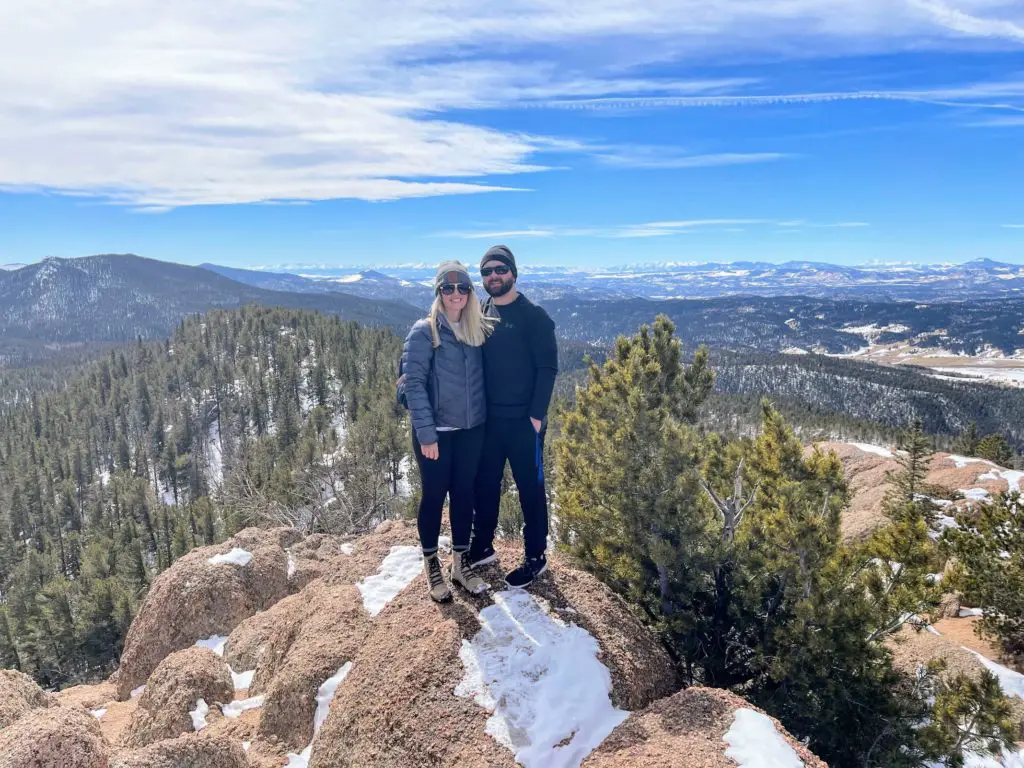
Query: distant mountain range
x,y
368,284
981,278
121,297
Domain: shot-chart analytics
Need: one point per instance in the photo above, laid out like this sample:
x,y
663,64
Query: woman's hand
x,y
430,451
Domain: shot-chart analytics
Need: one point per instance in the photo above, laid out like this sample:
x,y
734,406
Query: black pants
x,y
452,475
516,441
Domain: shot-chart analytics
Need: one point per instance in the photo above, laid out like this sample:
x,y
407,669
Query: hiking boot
x,y
463,573
479,556
524,575
439,591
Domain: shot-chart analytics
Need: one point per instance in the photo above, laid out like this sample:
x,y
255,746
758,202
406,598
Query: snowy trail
x,y
541,680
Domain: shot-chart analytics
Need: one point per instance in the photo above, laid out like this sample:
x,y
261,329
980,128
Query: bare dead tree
x,y
733,507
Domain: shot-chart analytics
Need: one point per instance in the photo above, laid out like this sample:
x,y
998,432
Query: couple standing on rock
x,y
478,380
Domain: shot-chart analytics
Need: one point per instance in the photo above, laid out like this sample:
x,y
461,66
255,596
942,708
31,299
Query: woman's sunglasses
x,y
486,271
448,289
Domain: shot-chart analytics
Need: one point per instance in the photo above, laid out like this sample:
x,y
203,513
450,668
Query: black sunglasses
x,y
486,271
448,289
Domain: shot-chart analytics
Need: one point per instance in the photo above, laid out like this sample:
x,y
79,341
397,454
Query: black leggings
x,y
452,474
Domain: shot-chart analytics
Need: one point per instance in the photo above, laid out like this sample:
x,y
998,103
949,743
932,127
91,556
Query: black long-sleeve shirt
x,y
520,361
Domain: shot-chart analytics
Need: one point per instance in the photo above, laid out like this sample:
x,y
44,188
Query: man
x,y
520,365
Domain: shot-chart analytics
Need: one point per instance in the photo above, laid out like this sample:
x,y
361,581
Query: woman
x,y
444,388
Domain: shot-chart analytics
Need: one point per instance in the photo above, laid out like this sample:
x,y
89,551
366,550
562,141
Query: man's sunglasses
x,y
448,289
486,271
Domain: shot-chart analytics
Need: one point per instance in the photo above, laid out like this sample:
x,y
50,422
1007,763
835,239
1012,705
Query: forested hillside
x,y
160,447
892,396
823,325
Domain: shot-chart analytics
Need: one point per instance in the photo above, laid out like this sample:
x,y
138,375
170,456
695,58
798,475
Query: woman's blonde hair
x,y
473,327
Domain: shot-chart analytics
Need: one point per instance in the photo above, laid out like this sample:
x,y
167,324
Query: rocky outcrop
x,y
311,636
690,728
19,694
197,598
197,750
61,735
352,661
867,470
172,693
403,680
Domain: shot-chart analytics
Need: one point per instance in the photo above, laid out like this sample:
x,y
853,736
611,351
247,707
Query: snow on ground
x,y
291,565
246,745
215,454
236,708
105,477
541,680
1012,477
237,556
166,494
975,494
794,351
199,714
1012,376
755,743
875,449
399,568
963,461
324,695
1012,684
404,486
98,713
965,612
136,692
241,680
1010,681
348,548
214,642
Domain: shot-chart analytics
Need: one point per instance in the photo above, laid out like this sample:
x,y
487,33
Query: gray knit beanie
x,y
451,271
503,254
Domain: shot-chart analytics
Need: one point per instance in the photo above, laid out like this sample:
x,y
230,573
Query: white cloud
x,y
1014,226
649,229
667,157
159,105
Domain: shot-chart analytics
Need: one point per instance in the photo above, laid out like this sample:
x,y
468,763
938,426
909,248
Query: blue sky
x,y
289,133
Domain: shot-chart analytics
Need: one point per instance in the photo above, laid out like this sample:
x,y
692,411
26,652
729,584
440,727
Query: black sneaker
x,y
524,575
482,556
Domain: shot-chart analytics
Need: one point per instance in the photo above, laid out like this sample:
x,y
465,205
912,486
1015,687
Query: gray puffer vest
x,y
444,386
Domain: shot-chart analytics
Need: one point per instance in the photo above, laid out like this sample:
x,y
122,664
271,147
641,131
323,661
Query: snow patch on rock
x,y
541,680
754,742
237,556
215,643
236,708
399,568
324,696
199,714
242,680
875,449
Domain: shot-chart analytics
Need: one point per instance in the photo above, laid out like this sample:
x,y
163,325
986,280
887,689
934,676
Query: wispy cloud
x,y
1013,226
652,229
990,96
160,105
668,158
